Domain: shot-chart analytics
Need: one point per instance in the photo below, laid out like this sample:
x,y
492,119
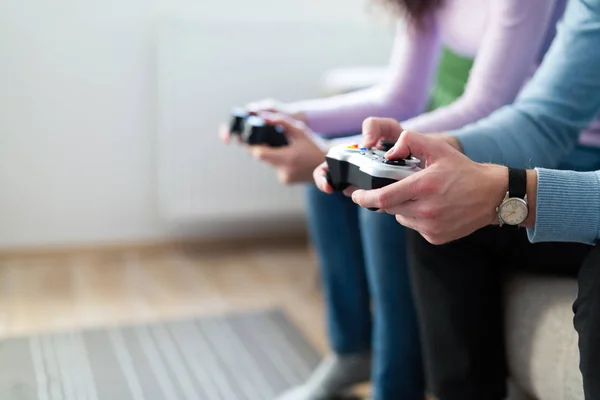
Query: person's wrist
x,y
496,177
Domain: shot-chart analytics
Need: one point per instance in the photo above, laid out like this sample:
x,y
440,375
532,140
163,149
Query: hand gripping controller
x,y
255,131
366,168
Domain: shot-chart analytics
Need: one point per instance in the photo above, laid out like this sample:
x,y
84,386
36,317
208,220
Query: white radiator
x,y
206,68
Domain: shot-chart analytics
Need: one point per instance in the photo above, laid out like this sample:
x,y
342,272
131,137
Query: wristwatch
x,y
514,209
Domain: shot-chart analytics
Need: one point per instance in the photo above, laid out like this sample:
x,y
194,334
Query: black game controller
x,y
255,131
238,120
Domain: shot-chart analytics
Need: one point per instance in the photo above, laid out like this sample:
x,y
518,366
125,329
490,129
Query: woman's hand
x,y
294,163
275,106
256,107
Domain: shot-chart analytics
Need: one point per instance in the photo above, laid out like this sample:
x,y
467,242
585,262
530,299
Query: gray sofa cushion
x,y
541,342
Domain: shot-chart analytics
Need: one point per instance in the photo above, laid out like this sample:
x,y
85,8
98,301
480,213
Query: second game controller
x,y
256,131
238,120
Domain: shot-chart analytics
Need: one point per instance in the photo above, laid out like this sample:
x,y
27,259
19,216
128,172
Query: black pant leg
x,y
458,291
587,323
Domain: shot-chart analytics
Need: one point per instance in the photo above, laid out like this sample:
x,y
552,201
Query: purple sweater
x,y
505,37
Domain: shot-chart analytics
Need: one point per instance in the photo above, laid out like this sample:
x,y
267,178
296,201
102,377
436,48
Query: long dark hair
x,y
414,10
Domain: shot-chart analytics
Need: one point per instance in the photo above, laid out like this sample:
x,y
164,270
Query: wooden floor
x,y
40,294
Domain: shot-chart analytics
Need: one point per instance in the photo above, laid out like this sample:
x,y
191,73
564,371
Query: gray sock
x,y
334,375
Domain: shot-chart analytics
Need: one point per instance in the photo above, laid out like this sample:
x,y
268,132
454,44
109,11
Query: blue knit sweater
x,y
542,127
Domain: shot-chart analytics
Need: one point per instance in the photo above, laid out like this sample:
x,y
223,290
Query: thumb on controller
x,y
424,147
375,130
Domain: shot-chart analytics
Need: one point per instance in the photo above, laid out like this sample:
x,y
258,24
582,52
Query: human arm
x,y
505,59
403,93
454,196
543,126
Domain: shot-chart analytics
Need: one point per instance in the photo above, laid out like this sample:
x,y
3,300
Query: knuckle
x,y
369,125
382,200
427,185
429,212
369,121
297,124
424,213
285,177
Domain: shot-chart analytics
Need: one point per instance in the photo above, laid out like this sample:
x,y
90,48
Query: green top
x,y
452,76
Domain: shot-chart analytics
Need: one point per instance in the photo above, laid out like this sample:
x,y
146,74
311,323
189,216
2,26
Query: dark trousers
x,y
458,289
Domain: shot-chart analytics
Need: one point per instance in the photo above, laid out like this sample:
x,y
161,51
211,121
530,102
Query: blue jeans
x,y
367,290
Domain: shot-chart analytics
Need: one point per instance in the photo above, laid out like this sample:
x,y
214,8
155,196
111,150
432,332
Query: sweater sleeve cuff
x,y
568,207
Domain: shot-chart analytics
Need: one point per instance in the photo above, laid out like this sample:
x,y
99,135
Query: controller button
x,y
364,149
394,162
386,145
352,146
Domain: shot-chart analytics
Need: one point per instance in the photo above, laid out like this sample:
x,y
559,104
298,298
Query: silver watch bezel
x,y
506,200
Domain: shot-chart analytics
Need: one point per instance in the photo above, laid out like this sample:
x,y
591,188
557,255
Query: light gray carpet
x,y
250,356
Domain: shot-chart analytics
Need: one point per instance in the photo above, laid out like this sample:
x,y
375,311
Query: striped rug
x,y
251,356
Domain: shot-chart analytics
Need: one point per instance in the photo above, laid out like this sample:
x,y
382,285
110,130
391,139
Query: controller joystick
x,y
386,145
255,131
352,165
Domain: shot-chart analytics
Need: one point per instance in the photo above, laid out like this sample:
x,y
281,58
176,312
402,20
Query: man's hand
x,y
294,163
320,178
449,199
374,130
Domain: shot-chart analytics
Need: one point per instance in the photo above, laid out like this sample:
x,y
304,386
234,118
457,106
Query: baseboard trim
x,y
294,238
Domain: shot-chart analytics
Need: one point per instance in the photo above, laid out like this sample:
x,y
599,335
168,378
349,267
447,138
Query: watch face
x,y
514,211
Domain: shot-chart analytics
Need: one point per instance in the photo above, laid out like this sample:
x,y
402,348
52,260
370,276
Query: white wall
x,y
78,111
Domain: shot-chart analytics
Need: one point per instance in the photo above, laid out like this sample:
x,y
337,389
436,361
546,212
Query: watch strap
x,y
517,183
